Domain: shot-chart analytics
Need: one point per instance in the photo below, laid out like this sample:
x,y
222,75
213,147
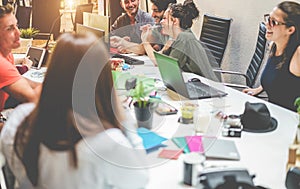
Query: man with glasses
x,y
11,82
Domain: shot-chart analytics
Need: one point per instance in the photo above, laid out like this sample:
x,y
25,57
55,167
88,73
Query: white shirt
x,y
105,160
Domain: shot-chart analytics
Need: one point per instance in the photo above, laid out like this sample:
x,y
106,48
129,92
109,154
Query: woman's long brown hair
x,y
71,87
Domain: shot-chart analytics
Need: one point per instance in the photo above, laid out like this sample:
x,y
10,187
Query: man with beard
x,y
157,39
128,25
12,84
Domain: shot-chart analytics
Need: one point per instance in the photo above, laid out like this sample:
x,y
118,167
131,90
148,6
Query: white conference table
x,y
263,154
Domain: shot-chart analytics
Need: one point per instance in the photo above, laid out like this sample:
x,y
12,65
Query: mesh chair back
x,y
214,36
80,9
258,56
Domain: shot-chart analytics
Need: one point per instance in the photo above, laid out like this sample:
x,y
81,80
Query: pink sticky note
x,y
194,143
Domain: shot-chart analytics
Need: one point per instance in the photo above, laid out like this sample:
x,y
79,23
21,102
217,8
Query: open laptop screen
x,y
171,73
172,77
36,55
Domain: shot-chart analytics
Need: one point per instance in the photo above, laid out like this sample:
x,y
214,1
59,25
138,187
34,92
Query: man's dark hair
x,y
4,10
162,5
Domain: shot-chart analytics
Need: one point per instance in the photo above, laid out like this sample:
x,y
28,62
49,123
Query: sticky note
x,y
169,154
150,139
195,143
181,143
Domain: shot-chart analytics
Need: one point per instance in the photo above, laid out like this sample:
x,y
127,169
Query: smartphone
x,y
165,109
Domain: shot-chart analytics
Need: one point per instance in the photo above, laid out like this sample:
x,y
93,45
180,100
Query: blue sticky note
x,y
150,139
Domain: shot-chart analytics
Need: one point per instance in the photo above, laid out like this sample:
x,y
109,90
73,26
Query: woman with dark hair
x,y
177,23
75,136
281,76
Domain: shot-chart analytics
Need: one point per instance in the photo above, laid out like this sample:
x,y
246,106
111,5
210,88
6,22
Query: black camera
x,y
232,126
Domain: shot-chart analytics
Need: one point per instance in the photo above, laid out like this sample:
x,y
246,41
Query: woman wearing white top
x,y
74,137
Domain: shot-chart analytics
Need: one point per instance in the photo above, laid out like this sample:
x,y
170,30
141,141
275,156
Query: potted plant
x,y
143,104
297,104
28,33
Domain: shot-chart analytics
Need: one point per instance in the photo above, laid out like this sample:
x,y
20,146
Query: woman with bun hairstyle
x,y
177,23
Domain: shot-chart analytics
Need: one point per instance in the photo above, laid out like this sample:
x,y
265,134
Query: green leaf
x,y
142,90
28,32
297,103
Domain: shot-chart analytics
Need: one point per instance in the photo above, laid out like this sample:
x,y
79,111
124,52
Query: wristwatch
x,y
2,118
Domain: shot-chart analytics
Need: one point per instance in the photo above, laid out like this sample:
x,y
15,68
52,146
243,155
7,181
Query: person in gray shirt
x,y
184,46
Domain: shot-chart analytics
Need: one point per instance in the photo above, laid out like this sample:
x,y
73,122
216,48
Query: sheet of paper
x,y
195,143
170,154
181,143
150,139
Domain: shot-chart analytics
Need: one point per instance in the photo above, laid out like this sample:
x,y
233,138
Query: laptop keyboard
x,y
195,90
128,60
201,90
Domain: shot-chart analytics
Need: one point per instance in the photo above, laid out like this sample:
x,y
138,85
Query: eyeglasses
x,y
271,21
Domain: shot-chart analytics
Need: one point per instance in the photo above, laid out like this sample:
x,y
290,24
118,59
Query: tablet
x,y
36,55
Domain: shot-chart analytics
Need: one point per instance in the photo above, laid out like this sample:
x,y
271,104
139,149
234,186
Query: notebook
x,y
172,77
220,149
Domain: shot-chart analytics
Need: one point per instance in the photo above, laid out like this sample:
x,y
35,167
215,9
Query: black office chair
x,y
214,36
23,15
80,9
292,180
255,64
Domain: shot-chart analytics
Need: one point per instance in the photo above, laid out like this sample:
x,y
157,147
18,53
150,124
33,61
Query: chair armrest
x,y
234,73
236,85
229,72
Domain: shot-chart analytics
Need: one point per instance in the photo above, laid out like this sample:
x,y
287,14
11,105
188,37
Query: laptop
x,y
220,149
172,77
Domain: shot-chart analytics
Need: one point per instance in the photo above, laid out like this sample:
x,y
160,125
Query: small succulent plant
x,y
29,33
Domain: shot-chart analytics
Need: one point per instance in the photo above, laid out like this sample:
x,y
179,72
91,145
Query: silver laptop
x,y
220,149
172,77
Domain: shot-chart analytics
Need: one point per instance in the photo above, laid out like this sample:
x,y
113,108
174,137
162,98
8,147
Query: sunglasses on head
x,y
271,21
